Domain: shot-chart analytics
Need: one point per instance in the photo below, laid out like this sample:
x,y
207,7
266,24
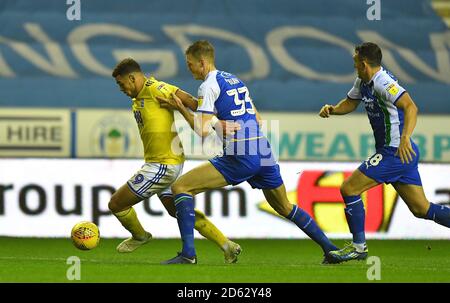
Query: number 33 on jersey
x,y
227,97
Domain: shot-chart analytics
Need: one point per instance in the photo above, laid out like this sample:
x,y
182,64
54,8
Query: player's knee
x,y
113,204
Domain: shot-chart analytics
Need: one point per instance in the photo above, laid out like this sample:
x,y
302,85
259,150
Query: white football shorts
x,y
154,178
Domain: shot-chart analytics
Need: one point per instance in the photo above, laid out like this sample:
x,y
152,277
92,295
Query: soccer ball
x,y
85,235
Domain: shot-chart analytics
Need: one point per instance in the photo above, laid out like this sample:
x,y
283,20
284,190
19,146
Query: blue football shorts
x,y
260,170
385,167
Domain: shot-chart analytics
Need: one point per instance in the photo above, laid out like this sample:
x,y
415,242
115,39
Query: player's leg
x,y
150,179
278,200
351,191
207,229
121,205
198,180
418,204
269,180
383,167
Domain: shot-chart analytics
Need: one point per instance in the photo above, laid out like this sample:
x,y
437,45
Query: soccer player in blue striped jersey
x,y
393,115
247,154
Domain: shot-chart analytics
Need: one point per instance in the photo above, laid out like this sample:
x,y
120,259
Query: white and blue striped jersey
x,y
379,97
226,96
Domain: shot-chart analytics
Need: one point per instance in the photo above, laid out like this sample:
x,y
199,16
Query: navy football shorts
x,y
237,169
385,167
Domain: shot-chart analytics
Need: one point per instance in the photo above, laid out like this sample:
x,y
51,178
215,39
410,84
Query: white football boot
x,y
131,244
231,252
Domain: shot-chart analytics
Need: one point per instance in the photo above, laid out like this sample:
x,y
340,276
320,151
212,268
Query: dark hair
x,y
126,66
201,48
369,52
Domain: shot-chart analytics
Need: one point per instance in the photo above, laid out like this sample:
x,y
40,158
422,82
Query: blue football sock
x,y
186,221
310,227
356,216
439,214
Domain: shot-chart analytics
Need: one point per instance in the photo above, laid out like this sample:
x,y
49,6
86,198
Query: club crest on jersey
x,y
142,102
138,179
149,82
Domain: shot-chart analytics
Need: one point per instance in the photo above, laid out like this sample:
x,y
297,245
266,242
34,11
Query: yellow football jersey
x,y
156,124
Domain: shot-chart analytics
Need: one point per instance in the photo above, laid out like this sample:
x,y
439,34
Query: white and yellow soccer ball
x,y
85,235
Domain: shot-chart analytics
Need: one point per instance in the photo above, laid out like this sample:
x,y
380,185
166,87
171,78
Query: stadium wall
x,y
293,55
103,133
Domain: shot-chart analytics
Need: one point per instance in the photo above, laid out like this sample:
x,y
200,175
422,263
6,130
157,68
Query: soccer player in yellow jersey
x,y
164,159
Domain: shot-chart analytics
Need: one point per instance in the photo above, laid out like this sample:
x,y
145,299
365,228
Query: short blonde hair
x,y
201,48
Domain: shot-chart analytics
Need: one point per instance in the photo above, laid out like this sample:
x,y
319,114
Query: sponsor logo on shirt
x,y
367,100
392,89
373,114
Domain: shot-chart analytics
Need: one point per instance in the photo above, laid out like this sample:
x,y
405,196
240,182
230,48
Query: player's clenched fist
x,y
326,111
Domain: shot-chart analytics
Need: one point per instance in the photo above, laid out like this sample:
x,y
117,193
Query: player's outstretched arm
x,y
405,150
345,106
177,103
202,124
188,100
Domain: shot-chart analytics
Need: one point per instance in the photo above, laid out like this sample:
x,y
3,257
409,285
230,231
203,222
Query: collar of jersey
x,y
209,74
374,76
142,90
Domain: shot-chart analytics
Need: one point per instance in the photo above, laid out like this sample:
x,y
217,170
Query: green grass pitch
x,y
291,261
